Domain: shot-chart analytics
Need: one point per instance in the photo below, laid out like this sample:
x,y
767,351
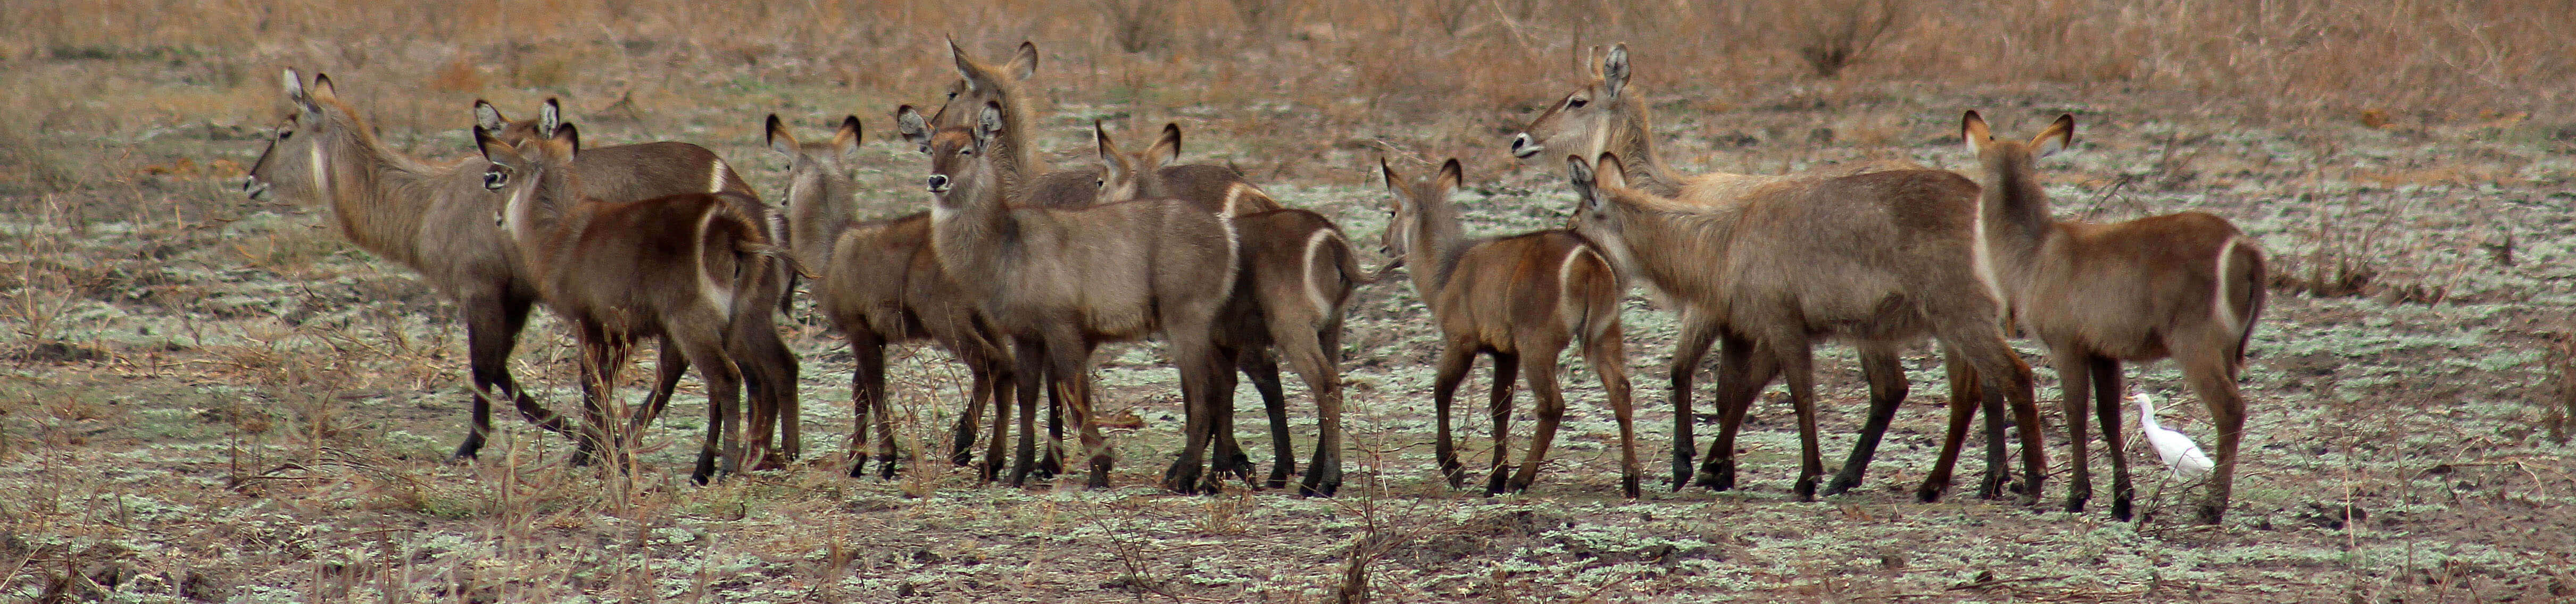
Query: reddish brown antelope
x,y
1880,258
2187,286
1060,281
1519,299
432,217
1295,281
1606,113
646,171
879,284
691,269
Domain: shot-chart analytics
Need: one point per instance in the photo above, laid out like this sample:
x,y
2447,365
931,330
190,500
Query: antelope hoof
x,y
1841,484
1278,476
1050,466
886,467
1494,485
1456,473
2120,509
472,447
1181,479
1804,489
1099,473
1319,486
2075,504
1991,488
963,457
2211,513
1929,493
1628,487
1717,475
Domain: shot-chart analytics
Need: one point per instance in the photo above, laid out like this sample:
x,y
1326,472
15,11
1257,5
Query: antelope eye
x,y
1576,102
1100,183
495,179
965,151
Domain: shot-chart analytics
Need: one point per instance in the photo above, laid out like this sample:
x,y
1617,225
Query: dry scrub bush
x,y
1835,33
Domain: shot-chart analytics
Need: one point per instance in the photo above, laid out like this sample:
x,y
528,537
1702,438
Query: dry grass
x,y
204,398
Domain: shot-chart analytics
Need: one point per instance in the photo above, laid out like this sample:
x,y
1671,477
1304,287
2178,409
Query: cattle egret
x,y
2177,450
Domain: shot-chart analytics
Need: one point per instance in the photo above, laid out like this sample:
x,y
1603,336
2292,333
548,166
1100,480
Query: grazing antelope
x,y
1607,114
691,269
2187,286
1060,281
432,217
1295,282
646,171
879,284
1880,258
1519,299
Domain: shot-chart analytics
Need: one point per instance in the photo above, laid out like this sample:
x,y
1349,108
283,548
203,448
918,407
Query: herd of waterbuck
x,y
1022,270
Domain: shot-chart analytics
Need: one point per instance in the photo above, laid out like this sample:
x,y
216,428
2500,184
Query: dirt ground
x,y
207,398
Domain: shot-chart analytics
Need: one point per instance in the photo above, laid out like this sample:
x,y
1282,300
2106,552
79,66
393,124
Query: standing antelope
x,y
1519,299
1880,258
1294,285
2187,286
691,269
434,218
646,171
1060,281
1607,114
880,284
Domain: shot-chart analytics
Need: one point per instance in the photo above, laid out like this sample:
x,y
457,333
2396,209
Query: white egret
x,y
2175,449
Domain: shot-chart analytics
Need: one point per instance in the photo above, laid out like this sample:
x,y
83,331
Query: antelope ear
x,y
569,136
1609,172
845,141
493,149
322,89
988,125
488,117
549,117
1166,149
778,138
1024,63
914,128
295,86
1973,132
2059,135
1451,176
1393,182
1112,162
966,67
1580,172
1614,72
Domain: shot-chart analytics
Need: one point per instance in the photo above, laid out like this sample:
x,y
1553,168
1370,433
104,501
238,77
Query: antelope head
x,y
1583,121
1412,200
980,82
961,163
1595,186
1123,174
294,164
533,176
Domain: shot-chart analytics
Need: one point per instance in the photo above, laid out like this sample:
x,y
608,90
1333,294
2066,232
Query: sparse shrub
x,y
1833,34
1139,25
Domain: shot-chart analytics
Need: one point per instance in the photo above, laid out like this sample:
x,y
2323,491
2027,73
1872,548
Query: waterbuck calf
x,y
691,269
646,171
2187,286
1519,299
432,217
880,284
1060,281
1293,287
1605,113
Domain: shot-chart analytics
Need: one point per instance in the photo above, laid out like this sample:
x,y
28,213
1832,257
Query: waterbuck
x,y
1519,299
1293,287
649,170
879,284
2187,286
435,218
1060,281
1880,258
1607,114
691,269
